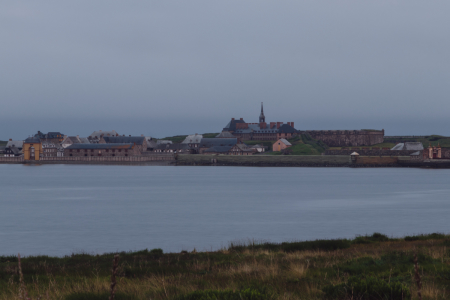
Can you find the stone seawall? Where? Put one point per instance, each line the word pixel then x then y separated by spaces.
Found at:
pixel 166 157
pixel 371 152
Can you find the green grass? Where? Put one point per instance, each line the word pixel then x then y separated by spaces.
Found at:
pixel 367 267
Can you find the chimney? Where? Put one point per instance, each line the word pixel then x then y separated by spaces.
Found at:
pixel 242 119
pixel 108 134
pixel 10 140
pixel 130 135
pixel 142 135
pixel 278 124
pixel 292 124
pixel 196 134
pixel 232 119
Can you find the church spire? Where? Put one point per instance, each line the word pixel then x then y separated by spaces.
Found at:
pixel 262 118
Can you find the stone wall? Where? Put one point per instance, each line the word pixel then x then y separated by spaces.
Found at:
pixel 371 152
pixel 345 138
pixel 94 159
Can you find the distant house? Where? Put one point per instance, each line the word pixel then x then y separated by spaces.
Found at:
pixel 102 150
pixel 151 143
pixel 139 141
pixel 281 144
pixel 17 144
pixel 94 137
pixel 49 149
pixel 12 151
pixel 207 143
pixel 193 141
pixel 241 149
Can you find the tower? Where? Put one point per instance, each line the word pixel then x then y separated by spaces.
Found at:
pixel 262 118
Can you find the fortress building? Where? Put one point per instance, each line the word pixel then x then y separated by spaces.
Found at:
pixel 274 131
pixel 260 131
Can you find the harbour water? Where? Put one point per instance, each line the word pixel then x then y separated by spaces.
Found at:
pixel 64 209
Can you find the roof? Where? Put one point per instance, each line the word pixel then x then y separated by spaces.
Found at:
pixel 257 146
pixel 49 135
pixel 218 149
pixel 105 133
pixel 138 140
pixel 415 153
pixel 284 141
pixel 32 140
pixel 225 134
pixel 408 146
pixel 212 142
pixel 285 128
pixel 231 126
pixel 18 144
pixel 193 138
pixel 355 153
pixel 101 146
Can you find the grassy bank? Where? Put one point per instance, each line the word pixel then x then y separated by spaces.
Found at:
pixel 369 267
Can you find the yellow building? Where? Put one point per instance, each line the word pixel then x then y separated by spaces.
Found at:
pixel 32 148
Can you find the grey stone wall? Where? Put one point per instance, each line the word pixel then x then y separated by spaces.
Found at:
pixel 371 152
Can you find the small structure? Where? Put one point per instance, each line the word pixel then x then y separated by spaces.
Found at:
pixel 416 156
pixel 32 148
pixel 259 148
pixel 193 141
pixel 433 152
pixel 354 157
pixel 281 144
pixel 173 148
pixel 139 141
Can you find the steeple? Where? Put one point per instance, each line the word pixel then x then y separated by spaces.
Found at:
pixel 262 118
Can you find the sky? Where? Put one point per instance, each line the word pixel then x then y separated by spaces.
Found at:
pixel 164 68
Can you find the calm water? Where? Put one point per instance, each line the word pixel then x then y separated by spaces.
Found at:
pixel 61 209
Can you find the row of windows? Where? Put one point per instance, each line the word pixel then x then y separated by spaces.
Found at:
pixel 107 150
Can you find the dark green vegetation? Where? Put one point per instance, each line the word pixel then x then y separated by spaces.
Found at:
pixel 366 267
pixel 434 140
pixel 3 143
pixel 303 145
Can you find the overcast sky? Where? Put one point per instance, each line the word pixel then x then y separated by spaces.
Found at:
pixel 178 67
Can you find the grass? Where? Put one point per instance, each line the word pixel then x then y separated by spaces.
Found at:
pixel 366 267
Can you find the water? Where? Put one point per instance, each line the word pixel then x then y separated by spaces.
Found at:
pixel 61 209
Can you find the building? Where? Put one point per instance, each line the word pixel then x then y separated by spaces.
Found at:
pixel 281 144
pixel 102 150
pixel 32 148
pixel 17 144
pixel 139 141
pixel 193 141
pixel 54 137
pixel 260 131
pixel 347 138
pixel 207 143
pixel 49 149
pixel 259 148
pixel 12 151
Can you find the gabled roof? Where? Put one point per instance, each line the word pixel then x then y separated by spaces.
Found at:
pixel 408 146
pixel 231 126
pixel 101 146
pixel 32 140
pixel 18 144
pixel 138 140
pixel 225 134
pixel 284 141
pixel 192 139
pixel 285 128
pixel 212 142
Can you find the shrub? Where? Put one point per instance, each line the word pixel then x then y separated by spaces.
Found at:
pixel 423 237
pixel 370 288
pixel 98 296
pixel 158 251
pixel 326 245
pixel 246 294
pixel 375 237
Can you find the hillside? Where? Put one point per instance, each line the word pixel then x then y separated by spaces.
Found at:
pixel 366 267
pixel 303 145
